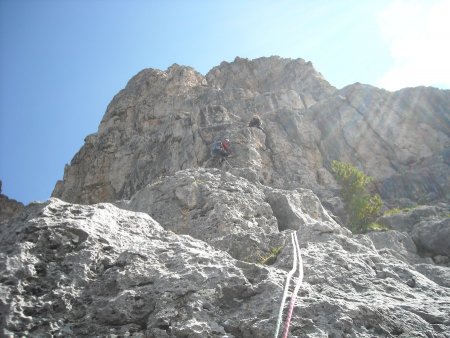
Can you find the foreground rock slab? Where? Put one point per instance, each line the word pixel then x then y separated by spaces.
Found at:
pixel 83 271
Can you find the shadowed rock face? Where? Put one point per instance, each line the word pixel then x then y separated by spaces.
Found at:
pixel 191 247
pixel 8 207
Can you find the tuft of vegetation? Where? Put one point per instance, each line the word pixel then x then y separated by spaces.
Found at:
pixel 377 227
pixel 271 256
pixel 395 211
pixel 362 208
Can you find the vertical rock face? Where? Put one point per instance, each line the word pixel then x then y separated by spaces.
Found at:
pixel 401 138
pixel 195 247
pixel 138 139
pixel 165 121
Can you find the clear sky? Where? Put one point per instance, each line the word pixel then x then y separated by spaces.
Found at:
pixel 62 61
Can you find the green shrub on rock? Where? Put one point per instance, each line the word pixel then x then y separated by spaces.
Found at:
pixel 361 207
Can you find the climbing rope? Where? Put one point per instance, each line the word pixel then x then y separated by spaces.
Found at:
pixel 286 286
pixel 294 294
pixel 228 163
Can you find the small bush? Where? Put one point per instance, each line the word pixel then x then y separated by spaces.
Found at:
pixel 395 211
pixel 362 208
pixel 377 227
pixel 271 256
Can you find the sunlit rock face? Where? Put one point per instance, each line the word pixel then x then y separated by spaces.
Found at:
pixel 401 138
pixel 99 270
pixel 148 236
pixel 164 121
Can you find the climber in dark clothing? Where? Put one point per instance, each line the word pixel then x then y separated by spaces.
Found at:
pixel 221 149
pixel 255 122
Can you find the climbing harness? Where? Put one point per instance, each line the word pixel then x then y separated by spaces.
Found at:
pixel 286 286
pixel 297 260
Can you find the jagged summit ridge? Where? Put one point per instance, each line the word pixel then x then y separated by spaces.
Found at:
pixel 270 75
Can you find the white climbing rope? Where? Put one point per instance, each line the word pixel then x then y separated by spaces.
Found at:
pixel 286 286
pixel 294 294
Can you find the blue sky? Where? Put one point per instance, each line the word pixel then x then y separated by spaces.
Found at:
pixel 62 61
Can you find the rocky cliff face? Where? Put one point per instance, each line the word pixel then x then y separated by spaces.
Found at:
pixel 191 247
pixel 163 122
pixel 166 121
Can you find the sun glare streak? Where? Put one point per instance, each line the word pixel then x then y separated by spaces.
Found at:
pixel 418 36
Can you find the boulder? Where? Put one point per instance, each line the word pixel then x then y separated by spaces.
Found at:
pixel 428 226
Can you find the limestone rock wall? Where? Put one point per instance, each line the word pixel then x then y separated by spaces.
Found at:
pixel 191 247
pixel 400 138
pixel 97 270
pixel 165 121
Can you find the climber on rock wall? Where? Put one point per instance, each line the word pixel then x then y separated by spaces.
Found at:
pixel 221 149
pixel 255 122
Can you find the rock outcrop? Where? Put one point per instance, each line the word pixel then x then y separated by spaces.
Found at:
pixel 165 121
pixel 97 270
pixel 148 236
pixel 428 226
pixel 401 138
pixel 8 206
